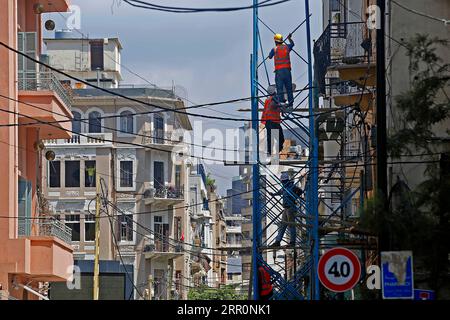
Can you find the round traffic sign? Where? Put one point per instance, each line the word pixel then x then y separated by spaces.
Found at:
pixel 339 269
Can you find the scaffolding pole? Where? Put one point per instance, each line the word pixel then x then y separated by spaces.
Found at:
pixel 255 126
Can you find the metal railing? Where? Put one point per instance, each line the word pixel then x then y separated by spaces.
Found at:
pixel 50 227
pixel 340 43
pixel 44 80
pixel 159 137
pixel 169 192
pixel 162 245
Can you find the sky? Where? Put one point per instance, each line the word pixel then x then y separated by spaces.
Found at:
pixel 207 54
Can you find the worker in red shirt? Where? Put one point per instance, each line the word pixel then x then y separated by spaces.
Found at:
pixel 265 283
pixel 283 76
pixel 271 118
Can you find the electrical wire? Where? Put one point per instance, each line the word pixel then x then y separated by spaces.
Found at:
pixel 152 6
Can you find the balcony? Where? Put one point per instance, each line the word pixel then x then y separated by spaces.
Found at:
pixel 45 228
pixel 350 92
pixel 87 139
pixel 163 249
pixel 41 252
pixel 164 195
pixel 50 100
pixel 161 138
pixel 346 48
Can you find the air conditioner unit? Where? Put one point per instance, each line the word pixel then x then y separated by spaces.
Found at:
pixel 149 193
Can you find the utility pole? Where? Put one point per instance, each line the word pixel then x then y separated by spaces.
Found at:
pixel 381 120
pixel 97 239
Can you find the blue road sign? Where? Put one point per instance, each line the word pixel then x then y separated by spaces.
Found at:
pixel 420 294
pixel 397 275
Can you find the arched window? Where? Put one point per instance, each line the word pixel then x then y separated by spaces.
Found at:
pixel 76 122
pixel 126 122
pixel 95 122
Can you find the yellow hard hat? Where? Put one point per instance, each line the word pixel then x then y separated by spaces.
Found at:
pixel 278 38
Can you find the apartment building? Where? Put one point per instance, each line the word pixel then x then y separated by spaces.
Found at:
pixel 234 249
pixel 95 60
pixel 129 146
pixel 219 235
pixel 346 75
pixel 201 228
pixel 34 246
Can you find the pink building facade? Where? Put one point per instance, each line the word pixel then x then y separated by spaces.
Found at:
pixel 34 246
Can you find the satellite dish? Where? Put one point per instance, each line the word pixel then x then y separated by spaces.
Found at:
pixel 50 25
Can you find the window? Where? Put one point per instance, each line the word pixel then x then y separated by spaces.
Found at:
pixel 158 175
pixel 230 276
pixel 72 174
pixel 54 169
pixel 126 122
pixel 126 174
pixel 159 128
pixel 126 227
pixel 89 227
pixel 95 122
pixel 73 222
pixel 24 207
pixel 89 174
pixel 161 234
pixel 97 55
pixel 76 122
pixel 178 177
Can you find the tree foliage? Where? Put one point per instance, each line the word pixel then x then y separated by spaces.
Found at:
pixel 207 293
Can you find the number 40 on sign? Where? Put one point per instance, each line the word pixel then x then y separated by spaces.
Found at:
pixel 339 269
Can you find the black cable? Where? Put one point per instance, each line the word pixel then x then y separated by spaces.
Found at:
pixel 152 6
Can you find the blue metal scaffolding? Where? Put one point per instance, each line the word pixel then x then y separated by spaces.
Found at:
pixel 304 283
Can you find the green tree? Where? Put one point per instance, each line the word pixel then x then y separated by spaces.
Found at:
pixel 207 293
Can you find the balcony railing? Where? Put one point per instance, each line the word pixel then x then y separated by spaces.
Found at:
pixel 44 227
pixel 85 139
pixel 163 245
pixel 340 43
pixel 165 193
pixel 44 81
pixel 159 137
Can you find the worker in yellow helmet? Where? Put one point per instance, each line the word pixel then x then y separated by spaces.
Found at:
pixel 283 77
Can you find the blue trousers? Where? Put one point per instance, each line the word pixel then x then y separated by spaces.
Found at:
pixel 288 216
pixel 283 81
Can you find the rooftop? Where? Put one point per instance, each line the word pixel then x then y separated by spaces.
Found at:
pixel 129 92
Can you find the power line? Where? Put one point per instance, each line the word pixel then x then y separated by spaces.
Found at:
pixel 422 14
pixel 152 6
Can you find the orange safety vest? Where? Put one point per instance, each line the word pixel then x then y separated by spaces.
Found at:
pixel 281 57
pixel 266 285
pixel 271 111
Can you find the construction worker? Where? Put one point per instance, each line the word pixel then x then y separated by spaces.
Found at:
pixel 289 191
pixel 265 283
pixel 271 118
pixel 91 175
pixel 283 77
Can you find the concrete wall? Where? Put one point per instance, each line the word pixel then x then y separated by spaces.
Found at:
pixel 403 25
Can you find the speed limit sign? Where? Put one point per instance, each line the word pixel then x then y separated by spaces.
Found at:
pixel 339 269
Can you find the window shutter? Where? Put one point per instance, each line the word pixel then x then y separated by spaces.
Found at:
pixel 27 69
